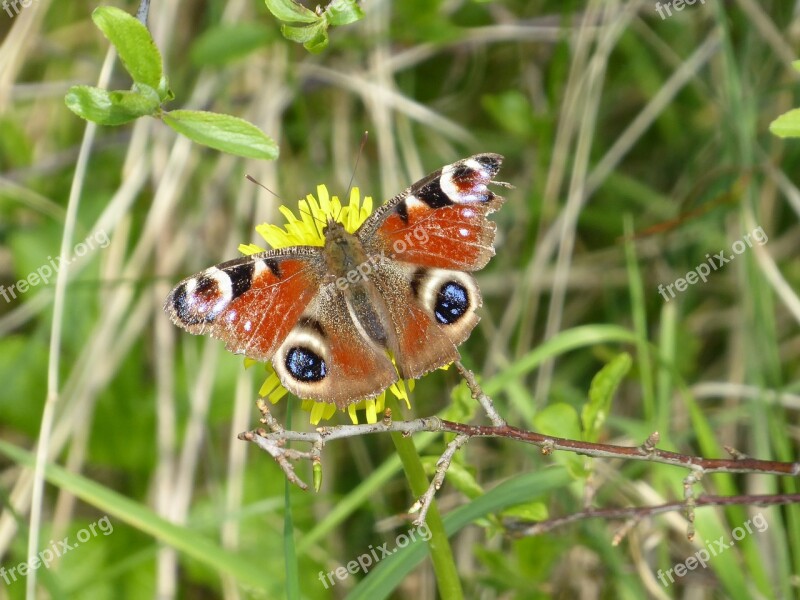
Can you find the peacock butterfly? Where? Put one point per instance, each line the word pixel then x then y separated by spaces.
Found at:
pixel 328 317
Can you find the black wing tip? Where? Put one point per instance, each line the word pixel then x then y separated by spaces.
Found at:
pixel 489 160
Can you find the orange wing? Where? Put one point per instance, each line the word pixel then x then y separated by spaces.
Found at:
pixel 440 221
pixel 251 303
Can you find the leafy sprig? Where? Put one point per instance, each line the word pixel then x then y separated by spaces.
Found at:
pixel 150 91
pixel 309 27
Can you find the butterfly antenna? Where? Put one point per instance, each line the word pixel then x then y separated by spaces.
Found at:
pixel 355 166
pixel 252 179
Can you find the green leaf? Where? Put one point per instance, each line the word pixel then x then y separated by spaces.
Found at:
pixel 135 46
pixel 390 572
pixel 226 43
pixel 112 108
pixel 559 420
pixel 319 42
pixel 796 65
pixel 313 37
pixel 301 34
pixel 458 475
pixel 343 12
pixel 462 407
pixel 530 511
pixel 787 125
pixel 601 392
pixel 317 471
pixel 290 11
pixel 222 132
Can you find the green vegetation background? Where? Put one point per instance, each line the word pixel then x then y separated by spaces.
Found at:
pixel 612 120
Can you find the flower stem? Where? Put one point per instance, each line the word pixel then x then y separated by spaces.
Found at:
pixel 447 579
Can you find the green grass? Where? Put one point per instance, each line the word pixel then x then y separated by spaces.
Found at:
pixel 637 145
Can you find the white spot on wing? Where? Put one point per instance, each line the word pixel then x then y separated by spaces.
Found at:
pixel 412 201
pixel 259 267
pixel 224 289
pixel 477 166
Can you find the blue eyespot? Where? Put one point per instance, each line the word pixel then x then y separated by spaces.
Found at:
pixel 452 303
pixel 305 365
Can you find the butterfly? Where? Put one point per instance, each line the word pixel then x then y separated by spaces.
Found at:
pixel 331 318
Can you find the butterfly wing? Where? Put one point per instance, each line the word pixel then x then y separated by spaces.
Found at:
pixel 276 306
pixel 431 236
pixel 325 357
pixel 281 306
pixel 440 221
pixel 251 303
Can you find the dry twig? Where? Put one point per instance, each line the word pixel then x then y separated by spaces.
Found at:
pixel 274 443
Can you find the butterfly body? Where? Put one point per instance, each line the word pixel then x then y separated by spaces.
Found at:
pixel 330 317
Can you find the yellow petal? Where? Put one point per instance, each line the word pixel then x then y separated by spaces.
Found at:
pixel 248 249
pixel 317 413
pixel 372 415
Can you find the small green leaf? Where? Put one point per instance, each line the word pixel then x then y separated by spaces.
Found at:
pixel 787 125
pixel 319 41
pixel 317 474
pixel 313 37
pixel 112 108
pixel 530 511
pixel 343 12
pixel 164 92
pixel 222 132
pixel 134 44
pixel 462 407
pixel 463 480
pixel 559 420
pixel 301 34
pixel 291 11
pixel 796 65
pixel 601 392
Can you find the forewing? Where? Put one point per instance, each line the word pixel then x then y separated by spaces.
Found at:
pixel 440 221
pixel 252 302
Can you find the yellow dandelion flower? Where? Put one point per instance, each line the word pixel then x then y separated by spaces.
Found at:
pixel 315 211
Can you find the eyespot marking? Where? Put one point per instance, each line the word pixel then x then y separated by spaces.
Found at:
pixel 202 298
pixel 452 303
pixel 305 365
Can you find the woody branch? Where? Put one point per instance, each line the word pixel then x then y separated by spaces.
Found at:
pixel 274 443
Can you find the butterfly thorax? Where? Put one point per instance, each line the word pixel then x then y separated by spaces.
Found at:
pixel 343 251
pixel 349 268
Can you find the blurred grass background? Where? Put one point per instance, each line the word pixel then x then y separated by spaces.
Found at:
pixel 612 119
